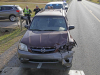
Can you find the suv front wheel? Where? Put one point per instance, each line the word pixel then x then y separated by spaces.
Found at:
pixel 12 18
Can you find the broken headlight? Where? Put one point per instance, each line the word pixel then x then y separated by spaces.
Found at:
pixel 63 48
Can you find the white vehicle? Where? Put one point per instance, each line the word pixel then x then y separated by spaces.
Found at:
pixel 66 5
pixel 57 5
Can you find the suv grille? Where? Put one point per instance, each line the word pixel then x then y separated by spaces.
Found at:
pixel 43 50
pixel 42 60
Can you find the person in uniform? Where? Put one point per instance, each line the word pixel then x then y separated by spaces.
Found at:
pixel 27 12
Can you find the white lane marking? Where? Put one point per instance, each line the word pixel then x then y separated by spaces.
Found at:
pixel 82 73
pixel 39 66
pixel 91 12
pixel 76 72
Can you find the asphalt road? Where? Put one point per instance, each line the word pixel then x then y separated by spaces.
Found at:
pixel 7 23
pixel 86 18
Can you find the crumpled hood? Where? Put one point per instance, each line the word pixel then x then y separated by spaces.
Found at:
pixel 45 38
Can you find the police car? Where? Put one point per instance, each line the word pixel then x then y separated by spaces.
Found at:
pixel 57 5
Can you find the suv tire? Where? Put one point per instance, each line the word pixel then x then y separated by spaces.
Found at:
pixel 12 18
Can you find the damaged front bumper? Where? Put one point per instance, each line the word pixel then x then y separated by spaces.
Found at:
pixel 65 58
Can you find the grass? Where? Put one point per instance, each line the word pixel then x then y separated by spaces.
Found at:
pixel 26 1
pixel 95 1
pixel 8 39
pixel 23 5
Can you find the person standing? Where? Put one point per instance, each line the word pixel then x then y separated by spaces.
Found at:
pixel 49 7
pixel 36 10
pixel 27 12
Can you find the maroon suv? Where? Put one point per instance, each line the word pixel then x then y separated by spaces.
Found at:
pixel 47 40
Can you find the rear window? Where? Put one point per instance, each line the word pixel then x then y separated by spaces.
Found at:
pixel 18 8
pixel 49 23
pixel 55 6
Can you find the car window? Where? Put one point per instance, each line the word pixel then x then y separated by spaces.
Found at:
pixel 55 6
pixel 0 9
pixel 7 8
pixel 46 23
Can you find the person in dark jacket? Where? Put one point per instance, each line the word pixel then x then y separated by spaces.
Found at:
pixel 27 12
pixel 36 10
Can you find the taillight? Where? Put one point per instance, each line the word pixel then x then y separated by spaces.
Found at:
pixel 17 10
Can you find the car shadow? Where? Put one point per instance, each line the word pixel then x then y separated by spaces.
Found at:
pixel 43 72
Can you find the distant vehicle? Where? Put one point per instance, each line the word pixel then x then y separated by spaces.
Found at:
pixel 47 40
pixel 10 12
pixel 66 5
pixel 57 5
pixel 79 0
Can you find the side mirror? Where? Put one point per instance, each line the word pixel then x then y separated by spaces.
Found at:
pixel 66 8
pixel 26 26
pixel 71 27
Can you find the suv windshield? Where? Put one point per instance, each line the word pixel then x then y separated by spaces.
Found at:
pixel 48 23
pixel 55 6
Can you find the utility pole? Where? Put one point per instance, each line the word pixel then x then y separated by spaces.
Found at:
pixel 20 22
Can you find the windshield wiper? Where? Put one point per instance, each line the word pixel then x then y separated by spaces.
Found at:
pixel 41 30
pixel 49 30
pixel 36 30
